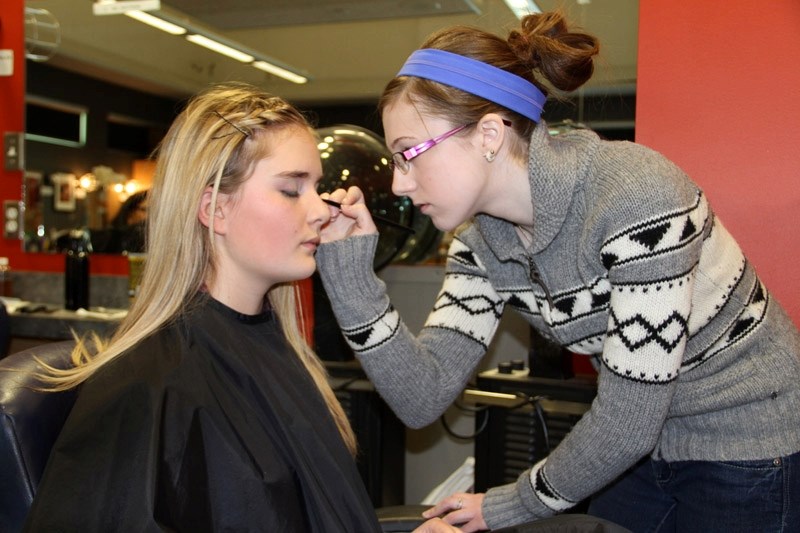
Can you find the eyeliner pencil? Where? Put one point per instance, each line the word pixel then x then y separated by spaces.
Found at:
pixel 376 218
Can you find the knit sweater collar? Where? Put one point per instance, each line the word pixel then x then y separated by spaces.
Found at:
pixel 555 167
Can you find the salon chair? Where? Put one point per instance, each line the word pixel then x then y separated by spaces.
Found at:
pixel 30 423
pixel 5 331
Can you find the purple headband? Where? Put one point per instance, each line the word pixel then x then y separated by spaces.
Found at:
pixel 478 78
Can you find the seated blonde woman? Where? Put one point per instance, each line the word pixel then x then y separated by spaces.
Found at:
pixel 207 410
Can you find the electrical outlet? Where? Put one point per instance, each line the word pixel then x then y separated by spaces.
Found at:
pixel 14 150
pixel 11 215
pixel 6 61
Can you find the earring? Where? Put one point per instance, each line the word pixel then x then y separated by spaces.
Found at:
pixel 489 156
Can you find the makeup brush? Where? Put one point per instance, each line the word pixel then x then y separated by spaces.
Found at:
pixel 376 218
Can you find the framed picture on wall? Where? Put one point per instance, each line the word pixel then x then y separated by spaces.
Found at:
pixel 63 192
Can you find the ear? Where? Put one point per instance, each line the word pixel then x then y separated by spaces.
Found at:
pixel 492 132
pixel 204 210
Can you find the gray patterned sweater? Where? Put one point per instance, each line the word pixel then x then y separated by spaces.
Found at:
pixel 627 263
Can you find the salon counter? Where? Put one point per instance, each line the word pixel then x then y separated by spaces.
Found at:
pixel 35 324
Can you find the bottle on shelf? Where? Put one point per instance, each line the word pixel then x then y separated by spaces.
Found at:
pixel 5 278
pixel 135 268
pixel 76 271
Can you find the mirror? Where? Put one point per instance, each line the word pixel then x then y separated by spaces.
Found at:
pixel 87 144
pixel 106 203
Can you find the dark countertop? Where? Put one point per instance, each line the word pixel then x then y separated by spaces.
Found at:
pixel 58 324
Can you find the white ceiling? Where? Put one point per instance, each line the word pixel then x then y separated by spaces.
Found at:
pixel 351 48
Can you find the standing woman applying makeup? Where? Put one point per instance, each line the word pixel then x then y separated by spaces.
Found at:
pixel 604 247
pixel 206 411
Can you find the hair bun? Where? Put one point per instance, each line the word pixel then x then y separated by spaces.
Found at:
pixel 548 45
pixel 525 48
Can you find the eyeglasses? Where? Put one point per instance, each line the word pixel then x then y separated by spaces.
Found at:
pixel 401 159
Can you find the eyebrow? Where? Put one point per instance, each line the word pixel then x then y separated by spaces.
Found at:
pixel 293 174
pixel 300 175
pixel 406 139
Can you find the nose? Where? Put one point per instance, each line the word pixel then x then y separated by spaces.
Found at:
pixel 402 184
pixel 318 212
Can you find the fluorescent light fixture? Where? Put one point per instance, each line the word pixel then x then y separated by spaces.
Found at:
pixel 520 8
pixel 150 12
pixel 156 22
pixel 220 48
pixel 279 71
pixel 114 7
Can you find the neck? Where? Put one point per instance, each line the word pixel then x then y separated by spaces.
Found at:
pixel 525 234
pixel 238 298
pixel 510 195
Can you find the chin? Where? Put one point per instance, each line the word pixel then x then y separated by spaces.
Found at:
pixel 445 225
pixel 297 272
pixel 308 270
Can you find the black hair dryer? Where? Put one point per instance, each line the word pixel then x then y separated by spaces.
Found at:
pixel 76 272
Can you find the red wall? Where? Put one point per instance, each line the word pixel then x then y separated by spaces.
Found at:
pixel 12 98
pixel 12 118
pixel 718 92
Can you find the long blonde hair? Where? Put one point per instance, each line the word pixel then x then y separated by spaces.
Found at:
pixel 216 141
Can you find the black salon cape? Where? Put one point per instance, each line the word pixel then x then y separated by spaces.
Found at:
pixel 211 424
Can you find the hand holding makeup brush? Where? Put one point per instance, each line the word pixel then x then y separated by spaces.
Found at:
pixel 349 215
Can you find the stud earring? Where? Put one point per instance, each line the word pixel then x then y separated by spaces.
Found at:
pixel 489 156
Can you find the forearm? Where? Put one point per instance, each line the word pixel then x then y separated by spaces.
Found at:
pixel 418 377
pixel 622 426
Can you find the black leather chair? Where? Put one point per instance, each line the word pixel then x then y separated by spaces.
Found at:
pixel 5 330
pixel 31 421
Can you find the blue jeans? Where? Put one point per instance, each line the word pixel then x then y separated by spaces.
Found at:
pixel 705 496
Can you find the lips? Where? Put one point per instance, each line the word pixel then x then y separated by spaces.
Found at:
pixel 312 243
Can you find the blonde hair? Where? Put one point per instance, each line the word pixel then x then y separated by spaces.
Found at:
pixel 216 142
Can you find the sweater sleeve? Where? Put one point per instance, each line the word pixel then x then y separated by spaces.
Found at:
pixel 419 377
pixel 651 265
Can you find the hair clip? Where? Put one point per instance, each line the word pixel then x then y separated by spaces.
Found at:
pixel 240 130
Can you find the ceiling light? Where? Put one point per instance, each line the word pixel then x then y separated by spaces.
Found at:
pixel 520 8
pixel 114 7
pixel 156 22
pixel 279 71
pixel 220 48
pixel 175 23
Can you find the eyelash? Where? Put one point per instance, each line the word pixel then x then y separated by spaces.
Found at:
pixel 298 189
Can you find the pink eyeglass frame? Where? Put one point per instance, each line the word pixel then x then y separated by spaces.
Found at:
pixel 410 153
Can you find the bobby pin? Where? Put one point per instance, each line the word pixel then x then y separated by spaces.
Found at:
pixel 240 130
